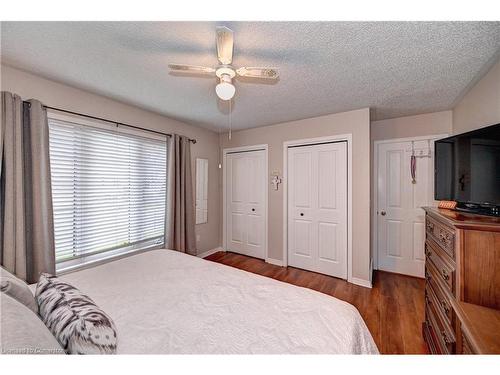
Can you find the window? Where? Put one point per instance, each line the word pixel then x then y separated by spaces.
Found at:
pixel 108 189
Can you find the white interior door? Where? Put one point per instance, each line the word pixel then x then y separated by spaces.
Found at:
pixel 400 218
pixel 317 208
pixel 246 219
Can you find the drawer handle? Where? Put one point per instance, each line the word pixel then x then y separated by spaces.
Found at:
pixel 445 338
pixel 442 236
pixel 430 226
pixel 428 252
pixel 427 276
pixel 445 274
pixel 445 238
pixel 445 307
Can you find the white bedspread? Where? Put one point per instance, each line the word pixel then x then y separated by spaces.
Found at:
pixel 164 301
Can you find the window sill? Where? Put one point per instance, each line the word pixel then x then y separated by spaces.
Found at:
pixel 63 270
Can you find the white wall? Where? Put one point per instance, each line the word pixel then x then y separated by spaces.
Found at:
pixel 412 126
pixel 481 105
pixel 55 94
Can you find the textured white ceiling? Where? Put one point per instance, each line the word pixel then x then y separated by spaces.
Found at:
pixel 396 68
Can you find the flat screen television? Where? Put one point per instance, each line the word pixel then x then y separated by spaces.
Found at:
pixel 467 170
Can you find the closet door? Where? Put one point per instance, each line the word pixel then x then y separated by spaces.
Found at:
pixel 245 203
pixel 317 208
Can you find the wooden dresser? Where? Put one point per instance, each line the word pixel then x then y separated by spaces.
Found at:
pixel 462 287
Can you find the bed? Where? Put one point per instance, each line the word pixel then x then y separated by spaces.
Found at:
pixel 165 302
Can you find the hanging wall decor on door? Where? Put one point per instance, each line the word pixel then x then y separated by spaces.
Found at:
pixel 413 160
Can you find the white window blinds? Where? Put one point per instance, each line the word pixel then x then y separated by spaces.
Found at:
pixel 108 190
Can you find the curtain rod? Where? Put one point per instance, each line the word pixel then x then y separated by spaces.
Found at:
pixel 113 122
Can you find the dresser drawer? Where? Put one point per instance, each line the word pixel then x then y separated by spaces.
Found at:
pixel 443 334
pixel 441 270
pixel 466 346
pixel 441 307
pixel 433 290
pixel 442 235
pixel 437 345
pixel 430 336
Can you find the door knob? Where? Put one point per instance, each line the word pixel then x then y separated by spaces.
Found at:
pixel 382 213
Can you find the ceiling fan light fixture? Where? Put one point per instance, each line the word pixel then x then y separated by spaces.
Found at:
pixel 225 90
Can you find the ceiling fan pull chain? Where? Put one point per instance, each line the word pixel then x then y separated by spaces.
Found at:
pixel 230 118
pixel 219 131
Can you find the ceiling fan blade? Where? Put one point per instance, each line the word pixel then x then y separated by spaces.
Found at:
pixel 224 45
pixel 254 72
pixel 190 68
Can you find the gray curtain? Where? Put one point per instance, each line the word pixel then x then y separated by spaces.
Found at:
pixel 26 221
pixel 179 216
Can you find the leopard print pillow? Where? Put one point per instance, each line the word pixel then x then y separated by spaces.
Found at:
pixel 74 319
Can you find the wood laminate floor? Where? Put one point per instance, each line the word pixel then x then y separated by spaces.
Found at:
pixel 393 309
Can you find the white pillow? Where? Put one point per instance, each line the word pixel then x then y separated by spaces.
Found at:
pixel 22 330
pixel 17 289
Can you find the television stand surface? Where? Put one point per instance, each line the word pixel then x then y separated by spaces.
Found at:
pixel 478 209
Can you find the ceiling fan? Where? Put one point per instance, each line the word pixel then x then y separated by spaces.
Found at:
pixel 225 71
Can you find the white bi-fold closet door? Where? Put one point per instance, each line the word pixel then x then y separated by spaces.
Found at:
pixel 400 198
pixel 246 216
pixel 317 208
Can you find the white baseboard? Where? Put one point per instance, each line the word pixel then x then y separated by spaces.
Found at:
pixel 276 262
pixel 361 282
pixel 210 252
